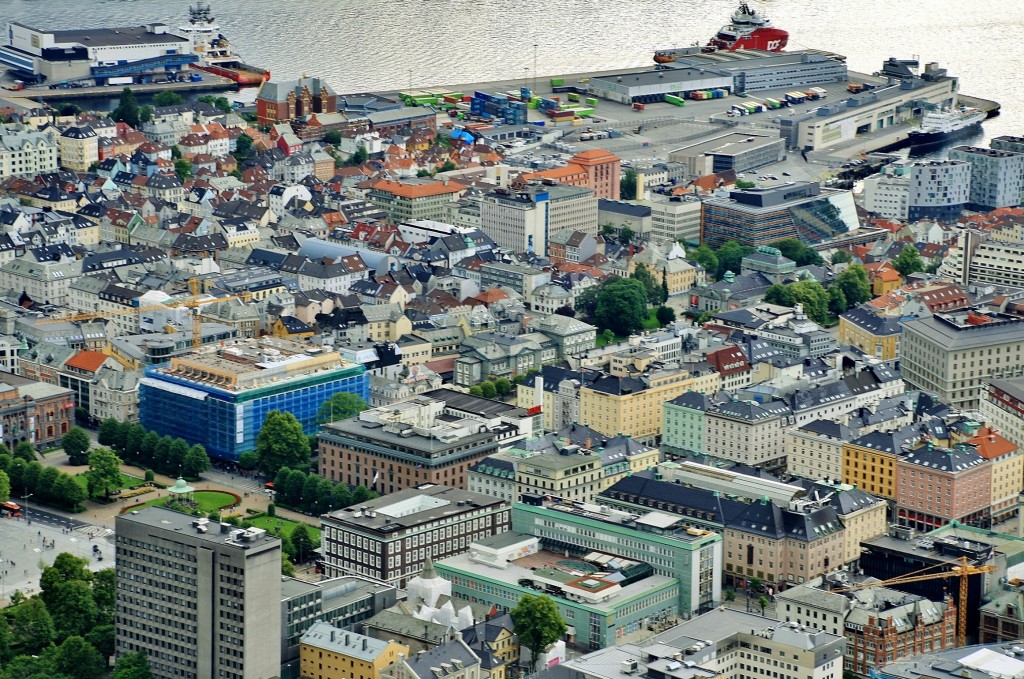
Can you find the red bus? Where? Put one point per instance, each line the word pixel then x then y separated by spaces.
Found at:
pixel 10 508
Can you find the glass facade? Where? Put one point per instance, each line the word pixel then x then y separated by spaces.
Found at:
pixel 226 423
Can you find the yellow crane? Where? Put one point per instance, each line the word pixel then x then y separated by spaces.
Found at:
pixel 194 288
pixel 962 570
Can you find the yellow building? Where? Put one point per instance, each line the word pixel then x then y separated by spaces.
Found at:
pixel 289 327
pixel 869 462
pixel 632 406
pixel 327 652
pixel 875 335
pixel 1007 471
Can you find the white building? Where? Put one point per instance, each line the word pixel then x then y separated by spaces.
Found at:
pixel 520 220
pixel 26 153
pixel 997 177
pixel 936 189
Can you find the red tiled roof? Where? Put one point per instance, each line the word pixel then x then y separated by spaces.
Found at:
pixel 89 361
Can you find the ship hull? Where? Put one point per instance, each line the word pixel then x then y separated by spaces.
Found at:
pixel 916 138
pixel 243 74
pixel 767 39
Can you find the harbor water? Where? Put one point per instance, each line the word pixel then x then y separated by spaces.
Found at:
pixel 365 45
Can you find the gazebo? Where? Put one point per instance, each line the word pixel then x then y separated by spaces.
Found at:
pixel 181 491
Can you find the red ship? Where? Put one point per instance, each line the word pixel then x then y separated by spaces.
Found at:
pixel 747 31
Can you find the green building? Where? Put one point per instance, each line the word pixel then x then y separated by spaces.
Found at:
pixel 682 424
pixel 601 597
pixel 692 555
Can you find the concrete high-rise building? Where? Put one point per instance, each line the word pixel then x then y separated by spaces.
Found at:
pixel 997 177
pixel 201 599
pixel 936 189
pixel 521 219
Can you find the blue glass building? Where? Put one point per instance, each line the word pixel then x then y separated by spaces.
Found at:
pixel 220 400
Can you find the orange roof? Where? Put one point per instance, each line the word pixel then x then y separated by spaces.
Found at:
pixel 570 170
pixel 594 156
pixel 889 275
pixel 89 361
pixel 491 296
pixel 990 444
pixel 417 190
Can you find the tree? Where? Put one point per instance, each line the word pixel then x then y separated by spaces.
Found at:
pixel 359 157
pixel 794 249
pixel 537 624
pixel 176 452
pixel 33 626
pixel 26 451
pixel 361 494
pixel 168 98
pixel 729 595
pixel 780 294
pixel 66 568
pixel 6 640
pixel 111 433
pixel 607 230
pixel 302 543
pixel 488 390
pixel 841 257
pixel 248 460
pixel 175 152
pixel 706 257
pixel 626 235
pixel 104 472
pixel 813 298
pixel 221 103
pixel 243 146
pixel 127 110
pixel 101 638
pixel 340 406
pixel 183 169
pixel 908 261
pixel 745 184
pixel 196 461
pixel 566 311
pixel 628 185
pixel 342 496
pixel 621 306
pixel 281 443
pixel 73 608
pixel 763 603
pixel 5 487
pixel 447 166
pixel 132 666
pixel 287 567
pixel 586 302
pixel 503 386
pixel 837 301
pixel 664 286
pixel 72 495
pixel 665 315
pixel 145 114
pixel 333 137
pixel 104 593
pixel 310 493
pixel 642 274
pixel 475 390
pixel 291 491
pixel 730 255
pixel 854 284
pixel 423 172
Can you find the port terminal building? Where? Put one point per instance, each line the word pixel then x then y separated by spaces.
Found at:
pixel 37 55
pixel 219 398
pixel 739 71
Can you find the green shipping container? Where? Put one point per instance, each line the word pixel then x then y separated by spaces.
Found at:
pixel 557 82
pixel 591 101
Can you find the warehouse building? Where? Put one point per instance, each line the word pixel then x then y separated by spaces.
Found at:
pixel 739 71
pixel 737 151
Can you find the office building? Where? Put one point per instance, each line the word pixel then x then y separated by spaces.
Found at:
pixel 595 169
pixel 762 216
pixel 869 461
pixel 226 393
pixel 951 355
pixel 985 258
pixel 329 652
pixel 815 449
pixel 997 177
pixel 881 625
pixel 1002 405
pixel 521 219
pixel 912 191
pixel 736 151
pixel 414 199
pixel 200 599
pixel 432 438
pixel 748 432
pixel 391 537
pixel 675 218
pixel 665 541
pixel 601 595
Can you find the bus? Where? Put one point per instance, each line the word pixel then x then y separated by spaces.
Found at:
pixel 10 508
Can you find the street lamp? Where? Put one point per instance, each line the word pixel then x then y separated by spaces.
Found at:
pixel 534 69
pixel 27 495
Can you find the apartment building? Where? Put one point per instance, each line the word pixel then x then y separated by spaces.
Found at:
pixel 912 191
pixel 683 426
pixel 1007 467
pixel 1002 405
pixel 79 148
pixel 936 485
pixel 25 152
pixel 874 334
pixel 521 219
pixel 951 355
pixel 198 598
pixel 815 449
pixel 328 652
pixel 391 537
pixel 414 199
pixel 869 461
pixel 595 169
pixel 749 432
pixel 997 177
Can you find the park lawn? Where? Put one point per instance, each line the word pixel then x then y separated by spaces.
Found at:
pixel 126 481
pixel 652 320
pixel 208 501
pixel 601 341
pixel 270 524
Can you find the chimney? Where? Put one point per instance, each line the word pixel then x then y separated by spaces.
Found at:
pixel 364 643
pixel 332 635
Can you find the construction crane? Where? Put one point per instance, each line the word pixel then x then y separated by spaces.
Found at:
pixel 962 570
pixel 194 288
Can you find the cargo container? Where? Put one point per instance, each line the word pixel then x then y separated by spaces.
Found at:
pixel 772 103
pixel 821 92
pixel 855 88
pixel 557 82
pixel 812 96
pixel 572 96
pixel 739 109
pixel 674 100
pixel 637 106
pixel 123 80
pixel 590 101
pixel 796 97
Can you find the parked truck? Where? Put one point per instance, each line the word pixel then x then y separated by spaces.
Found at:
pixel 121 80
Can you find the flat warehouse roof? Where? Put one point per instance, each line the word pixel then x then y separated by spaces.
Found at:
pixel 98 37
